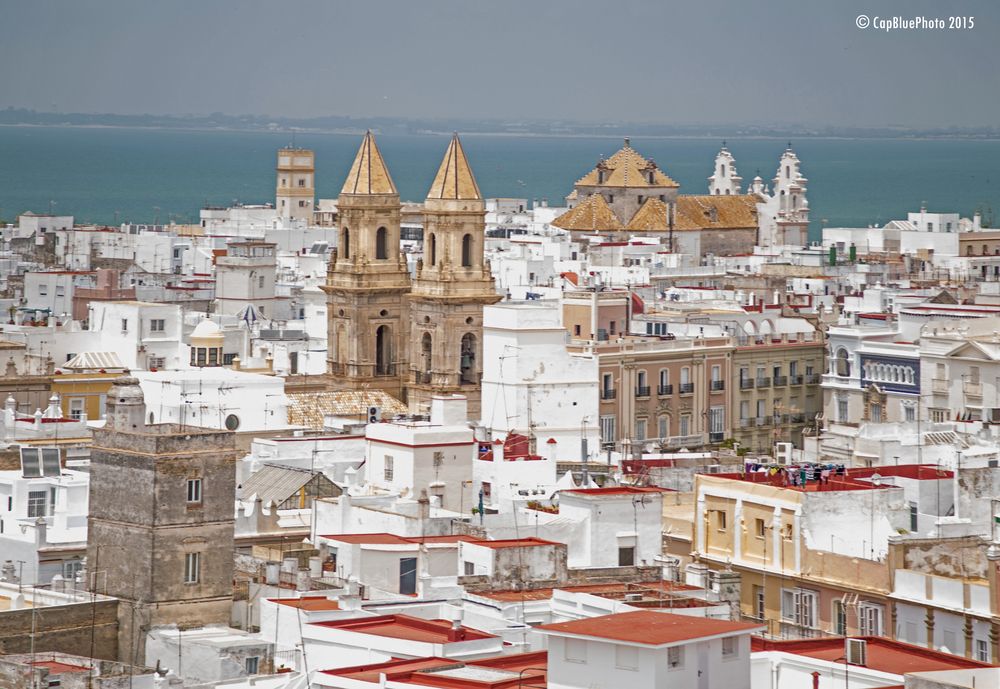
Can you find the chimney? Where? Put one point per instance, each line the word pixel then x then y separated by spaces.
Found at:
pixel 457 631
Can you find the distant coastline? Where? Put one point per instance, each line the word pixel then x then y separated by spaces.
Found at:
pixel 335 125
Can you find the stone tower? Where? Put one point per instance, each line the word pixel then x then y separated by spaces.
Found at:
pixel 160 529
pixel 367 281
pixel 295 191
pixel 789 189
pixel 452 284
pixel 724 181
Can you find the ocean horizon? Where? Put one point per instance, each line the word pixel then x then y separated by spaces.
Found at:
pixel 106 175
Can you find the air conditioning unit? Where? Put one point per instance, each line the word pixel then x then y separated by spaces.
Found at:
pixel 856 651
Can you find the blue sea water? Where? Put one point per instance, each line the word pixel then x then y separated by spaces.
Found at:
pixel 141 175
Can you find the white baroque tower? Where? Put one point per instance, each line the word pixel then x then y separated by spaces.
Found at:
pixel 724 181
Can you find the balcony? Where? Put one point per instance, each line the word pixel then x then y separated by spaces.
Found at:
pixel 746 423
pixel 939 386
pixel 780 380
pixel 687 388
pixel 812 379
pixel 385 369
pixel 642 391
pixel 718 385
pixel 746 383
pixel 973 390
pixel 716 437
pixel 607 394
pixel 665 390
pixel 797 380
pixel 763 382
pixel 763 421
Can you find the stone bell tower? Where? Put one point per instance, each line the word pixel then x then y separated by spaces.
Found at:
pixel 452 284
pixel 367 281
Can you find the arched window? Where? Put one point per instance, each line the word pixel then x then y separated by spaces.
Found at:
pixel 381 244
pixel 788 172
pixel 432 250
pixel 468 359
pixel 723 169
pixel 426 353
pixel 841 363
pixel 467 251
pixel 383 351
pixel 346 243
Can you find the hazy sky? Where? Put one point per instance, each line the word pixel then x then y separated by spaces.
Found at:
pixel 723 61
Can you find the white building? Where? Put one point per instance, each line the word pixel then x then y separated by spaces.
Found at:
pixel 43 516
pixel 648 649
pixel 531 383
pixel 435 456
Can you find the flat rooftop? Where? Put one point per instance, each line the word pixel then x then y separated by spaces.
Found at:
pixel 404 627
pixel 649 628
pixel 884 654
pixel 851 479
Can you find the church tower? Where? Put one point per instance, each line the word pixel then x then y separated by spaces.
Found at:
pixel 453 282
pixel 724 181
pixel 367 282
pixel 789 189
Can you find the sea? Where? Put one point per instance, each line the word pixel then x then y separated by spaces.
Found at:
pixel 113 175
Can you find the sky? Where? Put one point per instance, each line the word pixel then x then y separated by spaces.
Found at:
pixel 661 61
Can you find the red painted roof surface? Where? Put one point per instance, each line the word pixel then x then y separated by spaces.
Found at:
pixel 854 479
pixel 884 654
pixel 515 543
pixel 531 669
pixel 649 628
pixel 403 627
pixel 393 539
pixel 614 490
pixel 612 590
pixel 308 603
pixel 57 668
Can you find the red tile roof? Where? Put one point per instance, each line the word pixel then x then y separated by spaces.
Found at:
pixel 883 654
pixel 528 542
pixel 649 628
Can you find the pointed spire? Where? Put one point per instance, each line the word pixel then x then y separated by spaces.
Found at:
pixel 368 174
pixel 454 179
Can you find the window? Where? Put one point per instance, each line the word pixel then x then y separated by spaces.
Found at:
pixel 730 647
pixel 157 362
pixel 640 429
pixel 467 251
pixel 388 468
pixel 871 619
pixel 575 650
pixel 760 527
pixel 194 490
pixel 876 413
pixel 685 375
pixel 675 657
pixel 786 532
pixel 744 410
pixel 626 556
pixel 76 408
pixel 663 426
pixel 576 330
pixel 60 291
pixel 260 282
pixel 611 327
pixel 626 657
pixel 759 606
pixel 71 568
pixel 381 243
pixel 839 618
pixel 982 651
pixel 608 429
pixel 124 325
pixel 717 421
pixel 607 383
pixel 192 568
pixel 914 515
pixel 685 424
pixel 252 663
pixel 717 518
pixel 716 374
pixel 798 606
pixel 37 503
pixel 157 325
pixel 939 415
pixel 909 411
pixel 842 408
pixel 470 569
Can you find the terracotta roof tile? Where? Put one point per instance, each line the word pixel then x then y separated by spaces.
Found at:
pixel 308 408
pixel 592 215
pixel 649 628
pixel 627 168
